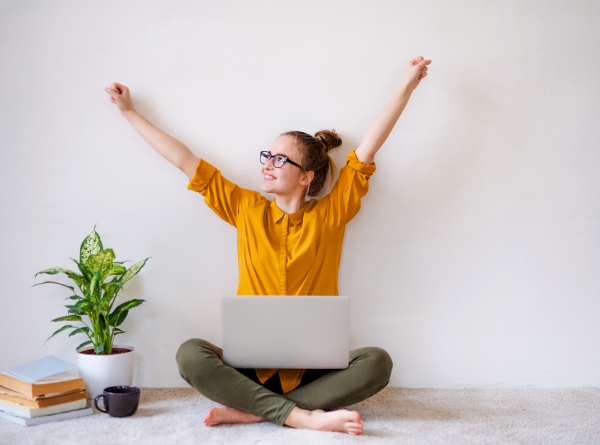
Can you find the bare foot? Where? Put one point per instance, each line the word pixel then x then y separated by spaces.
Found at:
pixel 341 420
pixel 225 414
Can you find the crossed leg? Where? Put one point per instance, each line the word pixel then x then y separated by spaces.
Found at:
pixel 245 401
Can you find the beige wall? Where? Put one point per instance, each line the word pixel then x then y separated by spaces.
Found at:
pixel 475 258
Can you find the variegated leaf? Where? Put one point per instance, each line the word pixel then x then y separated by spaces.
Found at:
pixel 100 260
pixel 90 246
pixel 70 287
pixel 84 271
pixel 133 270
pixel 79 279
pixel 91 290
pixel 114 270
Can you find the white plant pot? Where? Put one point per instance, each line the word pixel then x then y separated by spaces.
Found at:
pixel 101 371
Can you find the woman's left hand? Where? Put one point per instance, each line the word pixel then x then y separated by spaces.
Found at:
pixel 415 71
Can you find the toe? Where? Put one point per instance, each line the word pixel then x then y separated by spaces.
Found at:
pixel 208 419
pixel 355 426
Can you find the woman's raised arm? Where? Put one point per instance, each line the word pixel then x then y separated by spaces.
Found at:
pixel 381 128
pixel 167 146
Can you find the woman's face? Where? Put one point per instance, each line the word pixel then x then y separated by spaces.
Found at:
pixel 286 178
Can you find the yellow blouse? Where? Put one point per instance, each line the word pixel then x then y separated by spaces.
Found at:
pixel 286 254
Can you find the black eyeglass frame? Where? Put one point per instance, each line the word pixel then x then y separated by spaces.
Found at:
pixel 285 159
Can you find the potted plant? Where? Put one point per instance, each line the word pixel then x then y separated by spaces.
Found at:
pixel 100 362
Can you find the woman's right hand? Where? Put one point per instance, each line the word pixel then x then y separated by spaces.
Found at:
pixel 119 94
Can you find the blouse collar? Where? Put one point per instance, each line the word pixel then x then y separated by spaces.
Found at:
pixel 277 213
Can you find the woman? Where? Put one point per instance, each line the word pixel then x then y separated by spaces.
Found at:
pixel 288 246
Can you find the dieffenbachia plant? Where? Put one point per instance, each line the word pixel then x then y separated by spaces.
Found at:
pixel 96 265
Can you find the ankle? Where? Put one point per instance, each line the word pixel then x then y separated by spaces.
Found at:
pixel 299 418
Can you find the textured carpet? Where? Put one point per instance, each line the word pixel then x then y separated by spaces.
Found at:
pixel 395 415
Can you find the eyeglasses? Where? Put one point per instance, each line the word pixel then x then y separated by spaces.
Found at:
pixel 278 160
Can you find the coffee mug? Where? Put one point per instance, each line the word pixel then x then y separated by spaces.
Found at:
pixel 119 401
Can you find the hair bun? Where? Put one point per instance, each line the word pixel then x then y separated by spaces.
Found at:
pixel 329 138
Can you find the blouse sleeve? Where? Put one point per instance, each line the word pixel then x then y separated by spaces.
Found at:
pixel 227 199
pixel 353 183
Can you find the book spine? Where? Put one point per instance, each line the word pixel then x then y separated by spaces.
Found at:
pixel 30 421
pixel 23 411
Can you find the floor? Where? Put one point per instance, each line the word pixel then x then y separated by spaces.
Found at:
pixel 394 415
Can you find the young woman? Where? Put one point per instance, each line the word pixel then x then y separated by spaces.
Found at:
pixel 288 246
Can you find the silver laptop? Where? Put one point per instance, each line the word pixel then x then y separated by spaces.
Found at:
pixel 286 331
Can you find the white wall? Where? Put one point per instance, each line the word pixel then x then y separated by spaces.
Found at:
pixel 475 258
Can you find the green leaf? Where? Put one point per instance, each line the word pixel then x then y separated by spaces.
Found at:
pixel 81 307
pixel 133 270
pixel 59 330
pixel 113 270
pixel 90 246
pixel 117 331
pixel 83 344
pixel 101 260
pixel 104 302
pixel 70 287
pixel 68 318
pixel 113 286
pixel 110 289
pixel 129 304
pixel 84 305
pixel 84 270
pixel 120 313
pixel 75 297
pixel 79 279
pixel 99 348
pixel 115 319
pixel 83 329
pixel 91 291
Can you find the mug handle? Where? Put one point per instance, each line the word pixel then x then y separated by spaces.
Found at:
pixel 96 403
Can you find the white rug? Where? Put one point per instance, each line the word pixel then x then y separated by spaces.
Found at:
pixel 395 415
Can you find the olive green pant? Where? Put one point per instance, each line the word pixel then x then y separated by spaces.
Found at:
pixel 201 365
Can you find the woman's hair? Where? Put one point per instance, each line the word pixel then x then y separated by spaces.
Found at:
pixel 312 156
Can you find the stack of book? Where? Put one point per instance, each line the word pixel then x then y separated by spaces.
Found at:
pixel 42 391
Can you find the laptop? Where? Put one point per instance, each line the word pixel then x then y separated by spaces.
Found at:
pixel 286 331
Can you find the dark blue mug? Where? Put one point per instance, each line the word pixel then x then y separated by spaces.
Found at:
pixel 119 401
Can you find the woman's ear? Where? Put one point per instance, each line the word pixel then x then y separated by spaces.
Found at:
pixel 311 176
